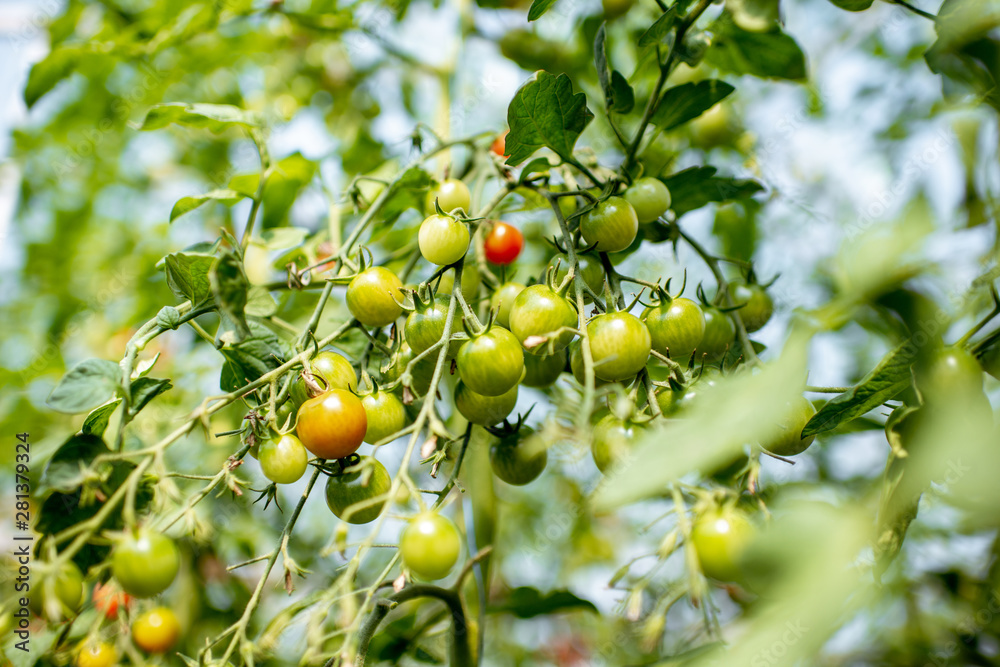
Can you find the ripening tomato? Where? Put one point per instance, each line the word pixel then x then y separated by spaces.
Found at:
pixel 484 410
pixel 471 280
pixel 541 370
pixel 612 225
pixel 537 311
pixel 503 300
pixel 720 537
pixel 58 597
pixel 649 197
pixel 619 344
pixel 785 439
pixel 450 194
pixel 518 457
pixel 499 145
pixel 590 269
pixel 675 327
pixel 756 305
pixel 374 295
pixel 284 459
pixel 611 442
pixel 350 495
pixel 429 545
pixel 386 415
pixel 443 240
pixel 330 371
pixel 720 332
pixel 156 631
pixel 96 654
pixel 491 363
pixel 108 599
pixel 332 425
pixel 503 243
pixel 145 564
pixel 425 326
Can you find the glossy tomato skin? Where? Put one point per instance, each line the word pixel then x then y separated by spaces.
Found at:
pixel 430 545
pixel 649 197
pixel 612 225
pixel 450 194
pixel 156 631
pixel 350 488
pixel 386 415
pixel 576 364
pixel 785 439
pixel 543 370
pixel 537 311
pixel 756 303
pixel 949 373
pixel 484 410
pixel 443 240
pixel 720 332
pixel 145 564
pixel 611 442
pixel 590 269
pixel 425 327
pixel 491 363
pixel 518 458
pixel 332 425
pixel 720 537
pixel 503 300
pixel 374 295
pixel 334 370
pixel 108 600
pixel 677 327
pixel 284 459
pixel 471 281
pixel 60 597
pixel 620 344
pixel 96 654
pixel 503 243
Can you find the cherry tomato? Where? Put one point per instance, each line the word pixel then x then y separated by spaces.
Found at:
pixel 673 401
pixel 332 425
pixel 720 332
pixel 335 371
pixel 611 442
pixel 145 564
pixel 451 194
pixel 649 197
pixel 429 545
pixel 619 344
pixel 373 297
pixel 677 327
pixel 538 310
pixel 58 597
pixel 283 460
pixel 577 366
pixel 491 363
pixel 612 225
pixel 108 600
pixel 590 269
pixel 720 537
pixel 422 372
pixel 503 243
pixel 443 240
pixel 785 439
pixel 518 458
pixel 503 300
pixel 542 370
pixel 386 415
pixel 499 145
pixel 156 631
pixel 471 280
pixel 990 360
pixel 715 127
pixel 757 306
pixel 615 8
pixel 425 326
pixel 96 654
pixel 484 410
pixel 365 480
pixel 949 373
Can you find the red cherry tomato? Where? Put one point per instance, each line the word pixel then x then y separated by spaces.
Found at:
pixel 503 244
pixel 499 145
pixel 109 598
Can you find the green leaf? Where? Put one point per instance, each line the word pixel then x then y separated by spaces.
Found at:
pixel 260 303
pixel 853 5
pixel 408 192
pixel 283 238
pixel 188 204
pixel 87 385
pixel 65 471
pixel 145 389
pixel 213 117
pixel 527 602
pixel 247 360
pixel 538 8
pixel 290 176
pixel 967 52
pixel 618 94
pixel 688 101
pixel 656 32
pixel 229 288
pixel 772 55
pixel 56 66
pixel 97 421
pixel 546 112
pixel 888 379
pixel 540 165
pixel 695 187
pixel 187 276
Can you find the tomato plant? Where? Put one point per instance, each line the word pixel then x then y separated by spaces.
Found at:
pixel 491 363
pixel 536 316
pixel 499 145
pixel 755 304
pixel 720 332
pixel 353 494
pixel 611 442
pixel 156 631
pixel 450 194
pixel 425 325
pixel 676 327
pixel 517 457
pixel 588 266
pixel 649 197
pixel 484 410
pixel 96 654
pixel 430 545
pixel 108 600
pixel 443 240
pixel 333 424
pixel 610 226
pixel 785 439
pixel 620 344
pixel 503 243
pixel 385 414
pixel 502 301
pixel 60 595
pixel 284 459
pixel 374 295
pixel 145 563
pixel 950 372
pixel 720 537
pixel 541 370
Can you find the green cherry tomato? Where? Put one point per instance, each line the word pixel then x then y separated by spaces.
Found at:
pixel 386 415
pixel 471 280
pixel 58 597
pixel 577 366
pixel 346 490
pixel 518 458
pixel 484 410
pixel 950 372
pixel 333 424
pixel 538 310
pixel 542 370
pixel 720 332
pixel 491 363
pixel 422 372
pixel 443 240
pixel 612 225
pixel 611 441
pixel 785 439
pixel 649 197
pixel 331 371
pixel 424 327
pixel 450 194
pixel 715 127
pixel 619 344
pixel 430 545
pixel 145 564
pixel 757 306
pixel 373 297
pixel 677 327
pixel 590 269
pixel 720 537
pixel 615 8
pixel 503 300
pixel 283 460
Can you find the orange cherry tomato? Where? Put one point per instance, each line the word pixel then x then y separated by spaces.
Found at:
pixel 332 425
